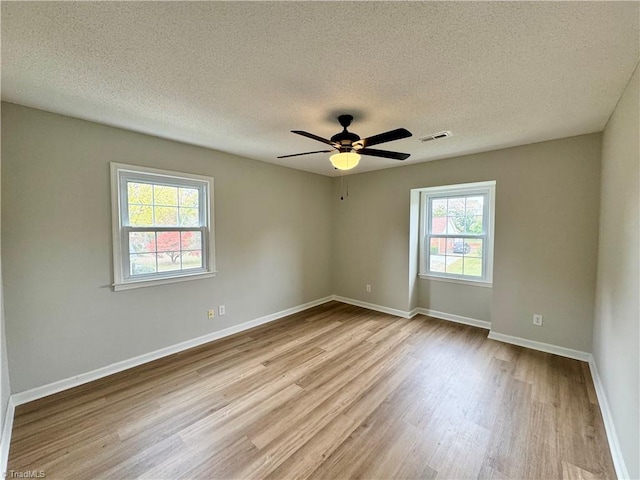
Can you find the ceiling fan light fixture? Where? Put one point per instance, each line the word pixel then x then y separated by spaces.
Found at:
pixel 345 160
pixel 350 146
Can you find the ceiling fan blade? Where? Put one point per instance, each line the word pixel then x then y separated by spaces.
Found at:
pixel 389 136
pixel 305 153
pixel 312 136
pixel 383 153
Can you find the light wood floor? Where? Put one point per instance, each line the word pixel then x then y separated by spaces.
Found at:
pixel 333 392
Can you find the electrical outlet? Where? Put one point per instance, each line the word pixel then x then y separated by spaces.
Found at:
pixel 369 288
pixel 537 319
pixel 211 313
pixel 221 310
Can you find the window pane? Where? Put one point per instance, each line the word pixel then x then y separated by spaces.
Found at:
pixel 169 251
pixel 142 263
pixel 472 266
pixel 168 241
pixel 191 260
pixel 439 207
pixel 454 265
pixel 439 225
pixel 164 195
pixel 473 224
pixel 189 217
pixel 454 226
pixel 140 216
pixel 140 193
pixel 458 246
pixel 166 216
pixel 192 250
pixel 189 197
pixel 191 240
pixel 455 206
pixel 456 215
pixel 437 263
pixel 437 246
pixel 475 205
pixel 142 242
pixel 169 261
pixel 475 247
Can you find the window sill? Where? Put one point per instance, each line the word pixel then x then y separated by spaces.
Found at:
pixel 160 281
pixel 473 283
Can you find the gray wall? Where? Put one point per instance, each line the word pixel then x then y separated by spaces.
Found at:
pixel 273 239
pixel 5 384
pixel 465 300
pixel 545 239
pixel 616 339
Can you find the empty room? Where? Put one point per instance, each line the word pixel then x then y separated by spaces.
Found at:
pixel 324 240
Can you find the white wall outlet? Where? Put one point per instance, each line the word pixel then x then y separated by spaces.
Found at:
pixel 368 288
pixel 211 313
pixel 221 310
pixel 537 319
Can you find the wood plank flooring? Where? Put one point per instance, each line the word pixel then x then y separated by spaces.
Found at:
pixel 333 392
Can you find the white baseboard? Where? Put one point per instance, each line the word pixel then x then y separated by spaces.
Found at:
pixel 540 346
pixel 5 441
pixel 416 311
pixel 60 385
pixel 373 306
pixel 452 317
pixel 609 427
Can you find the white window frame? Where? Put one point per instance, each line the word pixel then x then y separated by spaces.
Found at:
pixel 120 174
pixel 430 193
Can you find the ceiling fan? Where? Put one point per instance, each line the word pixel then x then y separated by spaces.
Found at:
pixel 350 146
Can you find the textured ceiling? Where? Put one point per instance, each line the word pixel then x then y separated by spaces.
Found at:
pixel 238 76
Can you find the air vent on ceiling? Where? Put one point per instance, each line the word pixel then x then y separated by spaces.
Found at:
pixel 435 136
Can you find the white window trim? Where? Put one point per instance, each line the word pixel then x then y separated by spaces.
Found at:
pixel 120 279
pixel 489 213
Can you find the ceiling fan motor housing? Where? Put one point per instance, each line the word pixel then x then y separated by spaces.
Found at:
pixel 344 140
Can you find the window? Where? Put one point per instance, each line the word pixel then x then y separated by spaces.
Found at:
pixel 162 226
pixel 457 232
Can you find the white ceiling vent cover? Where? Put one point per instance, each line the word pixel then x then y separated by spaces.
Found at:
pixel 435 136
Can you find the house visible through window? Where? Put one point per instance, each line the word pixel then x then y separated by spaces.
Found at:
pixel 162 226
pixel 457 232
